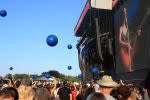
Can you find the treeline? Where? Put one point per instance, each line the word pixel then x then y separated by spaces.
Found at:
pixel 53 73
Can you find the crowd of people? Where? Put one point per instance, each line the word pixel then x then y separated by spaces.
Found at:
pixel 104 89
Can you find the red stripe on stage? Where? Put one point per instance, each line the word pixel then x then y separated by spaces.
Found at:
pixel 87 6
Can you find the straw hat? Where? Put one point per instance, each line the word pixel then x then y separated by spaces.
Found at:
pixel 107 81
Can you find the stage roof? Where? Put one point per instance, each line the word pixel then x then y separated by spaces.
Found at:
pixel 84 19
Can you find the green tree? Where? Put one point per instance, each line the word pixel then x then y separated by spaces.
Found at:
pixel 20 76
pixel 52 73
pixel 63 77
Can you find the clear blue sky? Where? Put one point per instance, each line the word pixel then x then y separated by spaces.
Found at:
pixel 24 30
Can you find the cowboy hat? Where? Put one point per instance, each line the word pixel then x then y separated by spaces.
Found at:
pixel 107 81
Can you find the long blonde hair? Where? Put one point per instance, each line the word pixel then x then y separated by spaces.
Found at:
pixel 26 92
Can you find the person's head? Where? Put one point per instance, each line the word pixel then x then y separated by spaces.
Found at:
pixel 83 90
pixel 126 93
pixel 25 90
pixel 42 94
pixel 39 84
pixel 26 82
pixel 91 83
pixel 73 87
pixel 133 90
pixel 51 86
pixel 9 93
pixel 97 96
pixel 124 11
pixel 123 17
pixel 65 83
pixel 107 84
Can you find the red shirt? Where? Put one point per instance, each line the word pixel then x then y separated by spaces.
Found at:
pixel 74 94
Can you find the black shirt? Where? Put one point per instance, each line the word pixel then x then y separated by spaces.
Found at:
pixel 64 93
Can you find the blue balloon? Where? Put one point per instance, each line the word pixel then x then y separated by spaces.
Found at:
pixel 47 75
pixel 80 76
pixel 3 13
pixel 11 68
pixel 69 67
pixel 69 46
pixel 33 76
pixel 95 69
pixel 52 40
